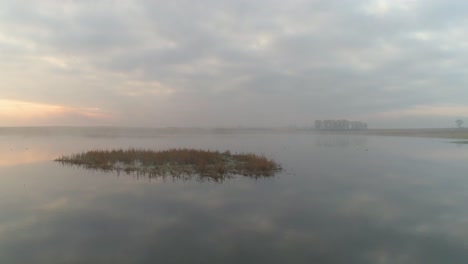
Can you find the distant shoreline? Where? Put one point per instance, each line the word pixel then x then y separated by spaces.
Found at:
pixel 447 133
pixel 110 131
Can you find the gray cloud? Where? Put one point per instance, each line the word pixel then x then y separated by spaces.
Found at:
pixel 237 62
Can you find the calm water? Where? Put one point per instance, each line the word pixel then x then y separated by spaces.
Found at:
pixel 340 199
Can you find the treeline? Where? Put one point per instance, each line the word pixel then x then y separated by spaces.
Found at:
pixel 339 125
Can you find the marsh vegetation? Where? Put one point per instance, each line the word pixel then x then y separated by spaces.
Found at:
pixel 175 162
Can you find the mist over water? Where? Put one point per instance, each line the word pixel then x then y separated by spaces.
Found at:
pixel 339 199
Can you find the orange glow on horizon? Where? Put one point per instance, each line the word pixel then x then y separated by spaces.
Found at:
pixel 15 112
pixel 425 110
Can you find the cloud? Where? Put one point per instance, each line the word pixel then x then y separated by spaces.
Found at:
pixel 384 7
pixel 147 61
pixel 448 111
pixel 15 112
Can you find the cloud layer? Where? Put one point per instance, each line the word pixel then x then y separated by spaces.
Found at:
pixel 236 63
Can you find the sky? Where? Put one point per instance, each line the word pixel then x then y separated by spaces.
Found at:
pixel 233 63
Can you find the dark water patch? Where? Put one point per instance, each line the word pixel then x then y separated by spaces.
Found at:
pixel 460 142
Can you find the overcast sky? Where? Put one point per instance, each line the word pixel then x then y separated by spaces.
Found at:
pixel 220 63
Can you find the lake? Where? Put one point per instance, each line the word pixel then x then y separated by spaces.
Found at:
pixel 339 199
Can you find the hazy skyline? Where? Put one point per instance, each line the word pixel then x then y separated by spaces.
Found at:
pixel 390 63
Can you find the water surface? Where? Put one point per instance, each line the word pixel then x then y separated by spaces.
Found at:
pixel 340 199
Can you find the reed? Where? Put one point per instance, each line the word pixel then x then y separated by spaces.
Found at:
pixel 175 162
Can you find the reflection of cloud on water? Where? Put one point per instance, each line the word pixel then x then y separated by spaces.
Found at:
pixel 426 213
pixel 423 149
pixel 443 155
pixel 11 157
pixel 367 208
pixel 188 232
pixel 340 141
pixel 192 222
pixel 58 204
pixel 373 205
pixel 15 226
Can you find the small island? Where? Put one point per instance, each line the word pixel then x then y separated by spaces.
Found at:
pixel 206 164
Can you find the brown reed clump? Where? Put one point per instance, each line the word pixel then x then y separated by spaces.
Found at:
pixel 175 162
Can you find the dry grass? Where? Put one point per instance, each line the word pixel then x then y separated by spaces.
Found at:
pixel 175 162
